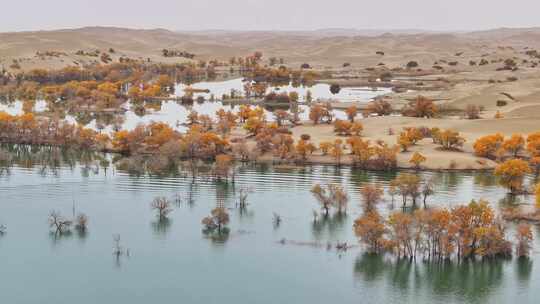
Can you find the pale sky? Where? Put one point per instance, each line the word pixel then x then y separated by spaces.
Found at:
pixel 18 15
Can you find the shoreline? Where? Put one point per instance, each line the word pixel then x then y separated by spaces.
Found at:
pixel 353 166
pixel 322 160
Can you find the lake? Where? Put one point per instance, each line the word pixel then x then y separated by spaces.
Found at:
pixel 175 113
pixel 174 261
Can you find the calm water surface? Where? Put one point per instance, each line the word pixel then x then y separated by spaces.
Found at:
pixel 175 113
pixel 175 262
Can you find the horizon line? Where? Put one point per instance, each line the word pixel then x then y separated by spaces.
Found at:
pixel 387 30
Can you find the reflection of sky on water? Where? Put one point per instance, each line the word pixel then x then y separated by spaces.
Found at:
pixel 174 113
pixel 318 91
pixel 16 108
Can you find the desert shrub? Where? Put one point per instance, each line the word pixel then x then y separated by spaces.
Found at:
pixel 305 137
pixel 386 76
pixel 380 107
pixel 501 103
pixel 472 111
pixel 412 64
pixel 420 107
pixel 335 88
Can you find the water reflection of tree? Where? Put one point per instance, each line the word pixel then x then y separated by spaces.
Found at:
pixel 485 179
pixel 56 237
pixel 83 118
pixel 82 234
pixel 224 191
pixel 49 160
pixel 446 181
pixel 331 225
pixel 6 161
pixel 360 176
pixel 470 280
pixel 524 269
pixel 105 119
pixel 161 226
pixel 510 201
pixel 217 238
pixel 191 194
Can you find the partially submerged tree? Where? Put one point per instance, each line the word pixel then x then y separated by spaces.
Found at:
pixel 163 207
pixel 331 196
pixel 511 174
pixel 407 185
pixel 223 167
pixel 524 239
pixel 217 220
pixel 371 196
pixel 60 224
pixel 428 188
pixel 463 231
pixel 370 229
pixel 243 197
pixel 118 249
pixel 81 222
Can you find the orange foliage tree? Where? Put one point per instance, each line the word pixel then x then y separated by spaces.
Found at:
pixel 417 159
pixel 371 196
pixel 351 112
pixel 337 151
pixel 331 196
pixel 462 231
pixel 449 139
pixel 514 145
pixel 487 146
pixel 421 107
pixel 511 174
pixel 304 147
pixel 533 144
pixel 537 192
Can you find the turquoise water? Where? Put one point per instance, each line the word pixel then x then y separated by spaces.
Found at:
pixel 175 262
